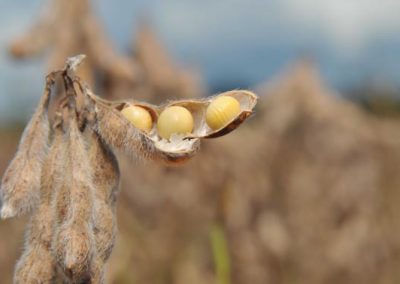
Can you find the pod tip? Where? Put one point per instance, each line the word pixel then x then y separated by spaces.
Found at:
pixel 73 62
pixel 6 212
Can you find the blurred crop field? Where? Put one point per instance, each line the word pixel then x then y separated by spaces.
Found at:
pixel 306 191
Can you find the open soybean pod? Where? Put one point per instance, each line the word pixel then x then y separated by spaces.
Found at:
pixel 118 132
pixel 170 132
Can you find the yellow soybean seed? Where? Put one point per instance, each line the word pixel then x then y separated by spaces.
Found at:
pixel 174 119
pixel 139 117
pixel 221 111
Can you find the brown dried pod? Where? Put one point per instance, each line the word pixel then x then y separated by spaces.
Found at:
pixel 106 183
pixel 37 264
pixel 61 197
pixel 73 243
pixel 21 181
pixel 177 126
pixel 96 271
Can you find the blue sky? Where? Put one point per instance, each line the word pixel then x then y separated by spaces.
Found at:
pixel 233 43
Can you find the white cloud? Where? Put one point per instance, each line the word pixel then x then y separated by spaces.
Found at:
pixel 346 25
pixel 349 25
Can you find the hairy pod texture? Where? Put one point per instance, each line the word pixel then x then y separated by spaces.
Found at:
pixel 97 271
pixel 20 186
pixel 37 264
pixel 73 243
pixel 106 174
pixel 119 133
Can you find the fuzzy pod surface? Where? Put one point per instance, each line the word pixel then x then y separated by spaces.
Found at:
pixel 37 261
pixel 73 243
pixel 106 176
pixel 20 185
